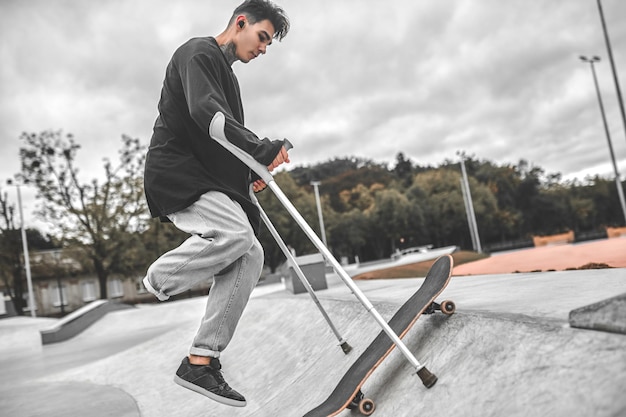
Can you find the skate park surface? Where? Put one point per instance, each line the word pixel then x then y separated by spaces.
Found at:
pixel 508 350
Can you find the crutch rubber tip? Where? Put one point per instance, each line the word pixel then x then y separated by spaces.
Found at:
pixel 428 379
pixel 346 347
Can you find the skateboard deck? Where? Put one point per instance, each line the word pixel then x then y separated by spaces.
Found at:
pixel 348 393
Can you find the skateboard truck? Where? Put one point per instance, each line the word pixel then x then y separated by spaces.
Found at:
pixel 447 307
pixel 365 405
pixel 216 131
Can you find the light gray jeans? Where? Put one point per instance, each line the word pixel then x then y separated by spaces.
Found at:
pixel 222 247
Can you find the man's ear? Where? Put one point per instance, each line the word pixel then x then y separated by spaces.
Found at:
pixel 241 21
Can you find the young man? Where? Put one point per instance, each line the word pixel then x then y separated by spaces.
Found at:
pixel 199 186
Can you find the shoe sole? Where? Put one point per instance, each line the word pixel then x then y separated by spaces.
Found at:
pixel 209 394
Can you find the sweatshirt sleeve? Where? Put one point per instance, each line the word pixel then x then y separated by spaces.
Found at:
pixel 202 78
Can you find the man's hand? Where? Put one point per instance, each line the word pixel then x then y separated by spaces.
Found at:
pixel 258 185
pixel 281 158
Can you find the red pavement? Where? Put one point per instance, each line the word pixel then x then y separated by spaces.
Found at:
pixel 611 252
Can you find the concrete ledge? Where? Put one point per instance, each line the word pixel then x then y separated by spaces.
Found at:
pixel 77 321
pixel 613 232
pixel 559 239
pixel 314 270
pixel 608 315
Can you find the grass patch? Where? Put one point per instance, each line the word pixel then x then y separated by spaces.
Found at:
pixel 419 269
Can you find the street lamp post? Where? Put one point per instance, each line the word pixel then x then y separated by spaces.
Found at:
pixel 609 50
pixel 469 206
pixel 620 192
pixel 315 185
pixel 31 297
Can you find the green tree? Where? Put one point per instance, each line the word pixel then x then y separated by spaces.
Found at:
pixel 97 217
pixel 366 176
pixel 403 169
pixel 348 233
pixel 444 208
pixel 603 192
pixel 359 197
pixel 293 236
pixel 330 169
pixel 389 219
pixel 417 234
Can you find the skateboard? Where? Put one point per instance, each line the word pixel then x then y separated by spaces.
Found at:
pixel 348 392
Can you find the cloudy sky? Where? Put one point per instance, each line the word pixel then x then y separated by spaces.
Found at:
pixel 500 80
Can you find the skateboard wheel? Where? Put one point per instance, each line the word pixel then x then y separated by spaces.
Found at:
pixel 448 307
pixel 367 407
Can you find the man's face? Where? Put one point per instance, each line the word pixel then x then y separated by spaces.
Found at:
pixel 253 40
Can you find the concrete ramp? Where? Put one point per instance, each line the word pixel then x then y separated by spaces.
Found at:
pixel 487 364
pixel 285 361
pixel 281 353
pixel 608 315
pixel 515 366
pixel 77 321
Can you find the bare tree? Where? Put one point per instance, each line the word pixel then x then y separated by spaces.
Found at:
pixel 101 217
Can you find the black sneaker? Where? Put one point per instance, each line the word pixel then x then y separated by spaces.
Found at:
pixel 208 381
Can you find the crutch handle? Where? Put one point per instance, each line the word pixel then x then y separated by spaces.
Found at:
pixel 216 130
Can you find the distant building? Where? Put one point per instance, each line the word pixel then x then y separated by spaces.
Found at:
pixel 61 285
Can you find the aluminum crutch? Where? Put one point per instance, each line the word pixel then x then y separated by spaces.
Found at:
pixel 216 131
pixel 305 282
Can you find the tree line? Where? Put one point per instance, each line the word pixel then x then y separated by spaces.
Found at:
pixel 370 209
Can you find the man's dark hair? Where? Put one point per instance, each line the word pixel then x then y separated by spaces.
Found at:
pixel 259 10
